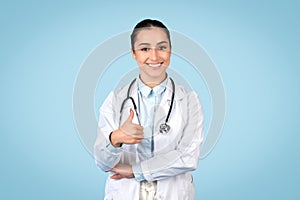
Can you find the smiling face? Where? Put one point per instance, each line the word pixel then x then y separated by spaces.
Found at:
pixel 152 52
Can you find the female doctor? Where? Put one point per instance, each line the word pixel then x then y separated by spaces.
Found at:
pixel 150 130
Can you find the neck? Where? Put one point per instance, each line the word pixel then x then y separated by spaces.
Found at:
pixel 152 83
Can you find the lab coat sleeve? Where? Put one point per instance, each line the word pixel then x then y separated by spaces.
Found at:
pixel 186 156
pixel 106 155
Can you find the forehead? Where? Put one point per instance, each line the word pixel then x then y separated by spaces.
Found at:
pixel 152 35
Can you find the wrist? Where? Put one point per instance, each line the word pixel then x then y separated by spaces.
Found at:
pixel 114 139
pixel 137 172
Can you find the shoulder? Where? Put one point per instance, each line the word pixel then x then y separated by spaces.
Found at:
pixel 182 92
pixel 120 94
pixel 122 91
pixel 187 98
pixel 115 95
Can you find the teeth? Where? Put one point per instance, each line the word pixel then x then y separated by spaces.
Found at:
pixel 154 65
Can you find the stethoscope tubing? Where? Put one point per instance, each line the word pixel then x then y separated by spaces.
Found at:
pixel 135 106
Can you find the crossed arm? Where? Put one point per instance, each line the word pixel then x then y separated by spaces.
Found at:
pixel 186 155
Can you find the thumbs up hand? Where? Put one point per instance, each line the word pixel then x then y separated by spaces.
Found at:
pixel 128 133
pixel 131 115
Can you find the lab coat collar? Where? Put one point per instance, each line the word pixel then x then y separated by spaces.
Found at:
pixel 146 90
pixel 179 91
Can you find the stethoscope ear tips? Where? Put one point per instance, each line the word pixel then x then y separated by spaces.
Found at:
pixel 164 128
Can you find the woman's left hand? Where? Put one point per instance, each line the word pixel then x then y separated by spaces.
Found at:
pixel 122 171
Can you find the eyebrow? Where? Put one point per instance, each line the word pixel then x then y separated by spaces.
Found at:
pixel 141 44
pixel 147 44
pixel 162 42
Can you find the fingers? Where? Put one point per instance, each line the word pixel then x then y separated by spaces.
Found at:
pixel 137 130
pixel 138 127
pixel 117 176
pixel 133 130
pixel 134 140
pixel 122 170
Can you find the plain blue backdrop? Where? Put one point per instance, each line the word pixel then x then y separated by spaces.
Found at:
pixel 254 44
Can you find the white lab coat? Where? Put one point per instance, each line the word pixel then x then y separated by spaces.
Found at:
pixel 175 154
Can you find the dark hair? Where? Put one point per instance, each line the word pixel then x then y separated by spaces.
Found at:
pixel 147 23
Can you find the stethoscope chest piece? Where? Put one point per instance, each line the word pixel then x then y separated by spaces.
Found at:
pixel 164 128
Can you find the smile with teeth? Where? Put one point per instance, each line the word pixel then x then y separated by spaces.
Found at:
pixel 154 64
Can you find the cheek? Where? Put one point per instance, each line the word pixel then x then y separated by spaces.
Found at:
pixel 166 55
pixel 167 58
pixel 141 62
pixel 140 58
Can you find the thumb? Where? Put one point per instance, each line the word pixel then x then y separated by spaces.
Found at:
pixel 131 115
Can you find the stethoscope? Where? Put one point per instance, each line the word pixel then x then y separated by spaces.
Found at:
pixel 164 128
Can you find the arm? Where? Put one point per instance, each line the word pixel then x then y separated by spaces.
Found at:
pixel 107 150
pixel 106 155
pixel 185 157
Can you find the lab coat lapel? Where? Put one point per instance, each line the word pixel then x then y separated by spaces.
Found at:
pixel 134 95
pixel 163 108
pixel 121 96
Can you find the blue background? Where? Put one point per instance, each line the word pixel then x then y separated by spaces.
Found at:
pixel 255 46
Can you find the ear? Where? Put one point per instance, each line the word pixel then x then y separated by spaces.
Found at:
pixel 133 54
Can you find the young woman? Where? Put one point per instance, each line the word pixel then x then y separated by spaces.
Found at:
pixel 150 131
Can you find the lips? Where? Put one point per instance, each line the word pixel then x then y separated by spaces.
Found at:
pixel 154 64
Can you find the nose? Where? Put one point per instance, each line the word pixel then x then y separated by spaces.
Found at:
pixel 153 54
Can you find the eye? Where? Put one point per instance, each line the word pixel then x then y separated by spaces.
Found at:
pixel 145 49
pixel 162 48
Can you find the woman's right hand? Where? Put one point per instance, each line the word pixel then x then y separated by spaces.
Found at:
pixel 128 133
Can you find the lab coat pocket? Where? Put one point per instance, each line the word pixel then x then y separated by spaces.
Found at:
pixel 113 189
pixel 120 189
pixel 110 189
pixel 188 187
